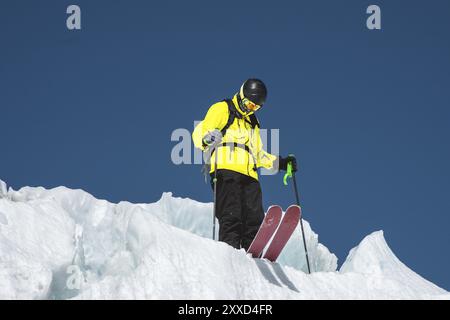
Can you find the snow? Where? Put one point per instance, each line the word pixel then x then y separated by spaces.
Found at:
pixel 3 190
pixel 66 244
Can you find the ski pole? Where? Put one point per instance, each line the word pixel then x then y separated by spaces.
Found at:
pixel 215 196
pixel 291 174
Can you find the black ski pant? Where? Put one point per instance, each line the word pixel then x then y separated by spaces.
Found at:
pixel 239 207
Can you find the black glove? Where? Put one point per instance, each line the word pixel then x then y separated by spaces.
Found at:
pixel 283 163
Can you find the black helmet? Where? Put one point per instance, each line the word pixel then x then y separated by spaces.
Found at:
pixel 254 90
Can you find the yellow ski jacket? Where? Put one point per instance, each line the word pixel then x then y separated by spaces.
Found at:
pixel 241 149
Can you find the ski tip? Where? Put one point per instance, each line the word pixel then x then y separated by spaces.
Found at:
pixel 277 210
pixel 295 208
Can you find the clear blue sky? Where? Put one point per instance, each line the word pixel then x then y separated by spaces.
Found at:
pixel 366 112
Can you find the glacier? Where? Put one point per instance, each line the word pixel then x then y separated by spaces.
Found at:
pixel 65 244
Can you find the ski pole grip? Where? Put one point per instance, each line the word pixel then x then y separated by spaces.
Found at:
pixel 288 173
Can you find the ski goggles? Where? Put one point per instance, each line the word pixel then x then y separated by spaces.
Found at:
pixel 250 105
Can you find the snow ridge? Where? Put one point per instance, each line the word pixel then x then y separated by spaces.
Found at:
pixel 66 244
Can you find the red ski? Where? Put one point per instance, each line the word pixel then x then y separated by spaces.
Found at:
pixel 283 233
pixel 266 230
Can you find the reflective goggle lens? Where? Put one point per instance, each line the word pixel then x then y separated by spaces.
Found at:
pixel 250 105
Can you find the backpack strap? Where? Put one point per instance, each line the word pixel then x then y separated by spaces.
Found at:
pixel 232 114
pixel 254 121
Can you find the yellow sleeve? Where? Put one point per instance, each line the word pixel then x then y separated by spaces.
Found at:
pixel 216 118
pixel 263 158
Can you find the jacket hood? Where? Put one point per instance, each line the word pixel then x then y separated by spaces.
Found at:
pixel 236 105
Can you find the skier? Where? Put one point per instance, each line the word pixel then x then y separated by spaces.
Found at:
pixel 231 129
